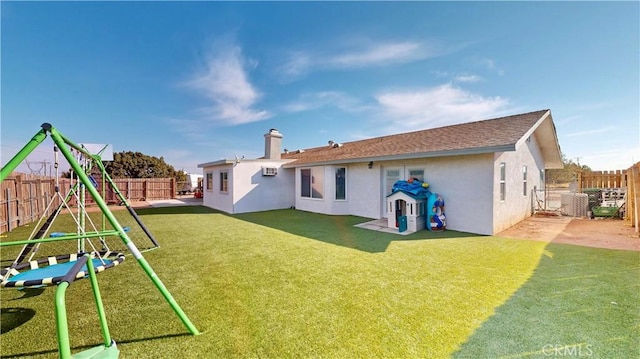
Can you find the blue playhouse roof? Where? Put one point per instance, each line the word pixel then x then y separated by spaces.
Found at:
pixel 414 189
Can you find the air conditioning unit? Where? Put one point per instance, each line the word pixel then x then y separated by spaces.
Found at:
pixel 574 204
pixel 269 171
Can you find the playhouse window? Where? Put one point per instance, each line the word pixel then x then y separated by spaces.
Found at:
pixel 341 183
pixel 311 182
pixel 503 184
pixel 224 176
pixel 209 181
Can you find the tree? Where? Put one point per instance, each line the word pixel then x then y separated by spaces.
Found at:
pixel 138 165
pixel 567 174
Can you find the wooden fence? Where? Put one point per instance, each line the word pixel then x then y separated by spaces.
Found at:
pixel 629 179
pixel 633 196
pixel 25 198
pixel 602 179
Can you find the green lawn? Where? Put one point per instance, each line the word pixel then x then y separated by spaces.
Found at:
pixel 291 284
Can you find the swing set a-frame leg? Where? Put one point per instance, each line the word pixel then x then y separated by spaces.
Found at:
pixel 62 144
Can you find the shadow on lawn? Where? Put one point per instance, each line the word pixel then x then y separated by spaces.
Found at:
pixel 176 210
pixel 338 230
pixel 11 318
pixel 579 302
pixel 85 347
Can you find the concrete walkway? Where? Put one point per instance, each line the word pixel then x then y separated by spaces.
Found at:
pixel 600 232
pixel 380 225
pixel 184 201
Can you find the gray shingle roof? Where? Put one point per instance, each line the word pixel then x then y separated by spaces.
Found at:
pixel 498 134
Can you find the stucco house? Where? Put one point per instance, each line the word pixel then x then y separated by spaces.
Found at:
pixel 485 170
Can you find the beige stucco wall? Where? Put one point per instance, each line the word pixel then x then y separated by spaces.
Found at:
pixel 465 183
pixel 212 197
pixel 517 204
pixel 248 189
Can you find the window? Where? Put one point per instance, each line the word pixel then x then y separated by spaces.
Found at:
pixel 312 182
pixel 392 176
pixel 416 173
pixel 341 183
pixel 209 181
pixel 524 180
pixel 224 177
pixel 503 185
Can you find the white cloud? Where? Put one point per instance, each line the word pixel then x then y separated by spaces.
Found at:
pixel 437 106
pixel 596 131
pixel 296 66
pixel 364 54
pixel 379 54
pixel 439 74
pixel 224 81
pixel 316 100
pixel 467 78
pixel 490 65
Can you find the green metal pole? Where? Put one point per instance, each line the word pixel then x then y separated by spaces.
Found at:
pixel 81 215
pixel 64 347
pixel 123 235
pixel 133 213
pixel 23 153
pixel 66 237
pixel 99 306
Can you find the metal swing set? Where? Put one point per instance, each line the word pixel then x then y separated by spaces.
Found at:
pixel 88 258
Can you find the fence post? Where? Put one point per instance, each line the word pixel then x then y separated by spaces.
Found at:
pixel 635 177
pixel 8 209
pixel 19 201
pixel 31 209
pixel 145 185
pixel 580 181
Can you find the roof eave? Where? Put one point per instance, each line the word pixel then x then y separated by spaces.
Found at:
pixel 545 129
pixel 408 156
pixel 234 161
pixel 215 163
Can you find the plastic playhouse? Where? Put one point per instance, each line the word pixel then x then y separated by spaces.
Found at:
pixel 412 207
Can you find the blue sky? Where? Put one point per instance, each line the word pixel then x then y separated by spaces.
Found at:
pixel 196 82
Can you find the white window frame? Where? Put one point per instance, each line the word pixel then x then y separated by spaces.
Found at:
pixel 388 186
pixel 503 181
pixel 224 181
pixel 209 181
pixel 412 169
pixel 315 174
pixel 524 181
pixel 344 183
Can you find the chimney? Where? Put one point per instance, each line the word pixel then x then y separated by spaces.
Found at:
pixel 272 144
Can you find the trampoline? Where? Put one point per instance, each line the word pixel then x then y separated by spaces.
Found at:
pixel 52 270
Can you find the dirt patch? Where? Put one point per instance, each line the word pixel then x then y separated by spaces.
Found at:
pixel 600 233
